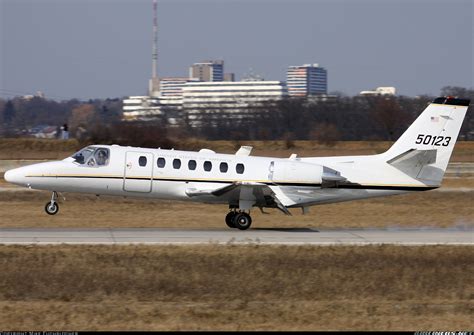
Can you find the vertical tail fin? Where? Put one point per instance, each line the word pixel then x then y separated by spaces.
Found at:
pixel 424 150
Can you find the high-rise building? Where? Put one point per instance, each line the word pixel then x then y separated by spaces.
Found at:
pixel 229 77
pixel 212 70
pixel 306 80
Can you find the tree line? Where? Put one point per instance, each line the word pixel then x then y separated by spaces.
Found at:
pixel 340 118
pixel 337 119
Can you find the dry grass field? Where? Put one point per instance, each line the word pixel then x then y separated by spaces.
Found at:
pixel 421 209
pixel 30 148
pixel 236 288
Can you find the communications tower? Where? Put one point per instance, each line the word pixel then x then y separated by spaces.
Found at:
pixel 154 84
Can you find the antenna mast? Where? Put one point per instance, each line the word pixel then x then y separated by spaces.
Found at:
pixel 155 39
pixel 154 86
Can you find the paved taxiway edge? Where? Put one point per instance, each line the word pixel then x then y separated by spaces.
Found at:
pixel 164 236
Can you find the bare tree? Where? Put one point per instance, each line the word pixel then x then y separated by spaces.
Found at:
pixel 389 117
pixel 326 133
pixel 456 91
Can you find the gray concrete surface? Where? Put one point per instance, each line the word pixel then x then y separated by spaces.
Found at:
pixel 459 169
pixel 296 236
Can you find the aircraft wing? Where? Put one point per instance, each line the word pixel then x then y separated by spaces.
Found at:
pixel 244 195
pixel 194 191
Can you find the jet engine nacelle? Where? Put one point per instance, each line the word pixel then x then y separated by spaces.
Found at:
pixel 296 172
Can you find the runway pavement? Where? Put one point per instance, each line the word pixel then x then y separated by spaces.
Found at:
pixel 296 236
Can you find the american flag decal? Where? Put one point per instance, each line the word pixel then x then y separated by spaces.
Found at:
pixel 434 119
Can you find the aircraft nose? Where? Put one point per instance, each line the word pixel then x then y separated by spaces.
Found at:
pixel 15 176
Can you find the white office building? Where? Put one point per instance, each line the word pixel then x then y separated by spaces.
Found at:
pixel 387 90
pixel 306 80
pixel 171 91
pixel 229 99
pixel 169 100
pixel 184 97
pixel 141 108
pixel 231 95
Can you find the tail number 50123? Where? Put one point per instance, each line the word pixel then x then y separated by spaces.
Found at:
pixel 433 140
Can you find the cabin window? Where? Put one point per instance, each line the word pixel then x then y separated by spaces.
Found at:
pixel 192 164
pixel 223 167
pixel 142 161
pixel 176 163
pixel 207 166
pixel 101 156
pixel 239 168
pixel 161 162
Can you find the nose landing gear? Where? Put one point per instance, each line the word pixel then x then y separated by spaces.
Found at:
pixel 239 220
pixel 52 206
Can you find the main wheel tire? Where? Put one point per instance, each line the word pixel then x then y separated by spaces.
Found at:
pixel 51 208
pixel 242 221
pixel 229 219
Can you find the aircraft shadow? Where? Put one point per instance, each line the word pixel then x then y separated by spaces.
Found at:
pixel 290 230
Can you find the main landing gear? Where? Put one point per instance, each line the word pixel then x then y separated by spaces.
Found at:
pixel 239 220
pixel 52 206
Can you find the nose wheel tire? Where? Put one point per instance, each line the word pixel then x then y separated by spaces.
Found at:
pixel 242 221
pixel 51 208
pixel 229 219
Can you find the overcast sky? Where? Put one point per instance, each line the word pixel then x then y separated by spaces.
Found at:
pixel 102 48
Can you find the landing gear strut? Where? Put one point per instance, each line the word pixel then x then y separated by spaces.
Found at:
pixel 52 206
pixel 239 220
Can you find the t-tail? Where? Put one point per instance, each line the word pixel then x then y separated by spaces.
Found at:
pixel 424 150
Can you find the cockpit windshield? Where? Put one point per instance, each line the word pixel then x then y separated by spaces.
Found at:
pixel 83 155
pixel 92 156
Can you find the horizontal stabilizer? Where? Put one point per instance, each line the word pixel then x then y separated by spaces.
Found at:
pixel 412 161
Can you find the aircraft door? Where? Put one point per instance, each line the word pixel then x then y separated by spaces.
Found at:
pixel 138 175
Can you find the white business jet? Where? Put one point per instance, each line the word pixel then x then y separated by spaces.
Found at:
pixel 416 162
